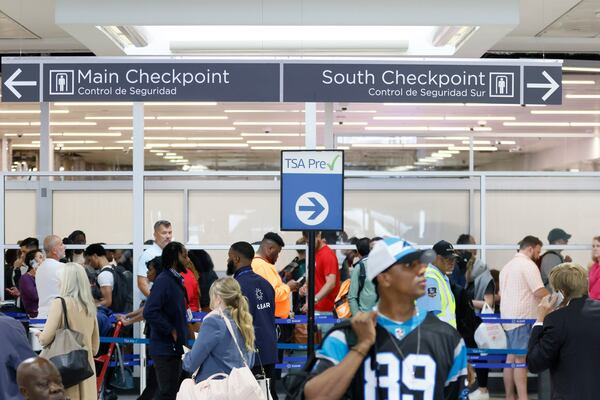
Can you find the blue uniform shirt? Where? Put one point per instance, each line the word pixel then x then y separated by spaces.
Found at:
pixel 432 299
pixel 261 301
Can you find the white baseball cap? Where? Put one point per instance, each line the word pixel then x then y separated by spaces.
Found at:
pixel 389 251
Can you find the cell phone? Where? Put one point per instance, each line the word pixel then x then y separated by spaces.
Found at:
pixel 301 281
pixel 559 298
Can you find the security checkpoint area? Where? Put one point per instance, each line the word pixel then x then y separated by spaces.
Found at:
pixel 264 140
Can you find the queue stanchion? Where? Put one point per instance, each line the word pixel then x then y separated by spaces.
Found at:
pixel 311 295
pixel 143 361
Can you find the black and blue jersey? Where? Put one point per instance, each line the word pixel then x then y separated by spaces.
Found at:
pixel 437 371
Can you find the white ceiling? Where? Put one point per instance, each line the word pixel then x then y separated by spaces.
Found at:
pixel 195 131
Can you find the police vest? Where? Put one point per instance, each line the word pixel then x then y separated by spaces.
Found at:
pixel 448 311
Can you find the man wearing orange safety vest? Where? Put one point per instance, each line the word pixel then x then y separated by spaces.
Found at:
pixel 263 264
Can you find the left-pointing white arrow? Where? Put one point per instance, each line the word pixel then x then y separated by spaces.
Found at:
pixel 552 85
pixel 11 83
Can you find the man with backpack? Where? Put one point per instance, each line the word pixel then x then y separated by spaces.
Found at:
pixel 552 258
pixel 112 283
pixel 361 295
pixel 396 351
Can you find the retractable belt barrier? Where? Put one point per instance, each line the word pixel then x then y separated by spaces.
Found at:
pixel 475 356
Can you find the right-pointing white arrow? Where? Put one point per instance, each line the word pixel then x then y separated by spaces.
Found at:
pixel 552 85
pixel 11 83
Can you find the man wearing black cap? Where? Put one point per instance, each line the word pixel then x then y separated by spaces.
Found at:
pixel 396 351
pixel 438 297
pixel 552 258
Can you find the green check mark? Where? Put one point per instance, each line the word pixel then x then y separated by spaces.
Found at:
pixel 331 165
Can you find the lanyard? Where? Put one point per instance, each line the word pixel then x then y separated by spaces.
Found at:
pixel 244 272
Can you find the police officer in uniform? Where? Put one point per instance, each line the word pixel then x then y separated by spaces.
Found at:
pixel 438 297
pixel 396 351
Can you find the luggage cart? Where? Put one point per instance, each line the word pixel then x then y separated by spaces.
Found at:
pixel 105 359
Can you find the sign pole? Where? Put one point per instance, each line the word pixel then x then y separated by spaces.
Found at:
pixel 311 295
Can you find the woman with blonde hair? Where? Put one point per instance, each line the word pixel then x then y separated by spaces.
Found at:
pixel 81 315
pixel 215 350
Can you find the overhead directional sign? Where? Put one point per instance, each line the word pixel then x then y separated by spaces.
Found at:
pixel 177 79
pixel 424 82
pixel 544 83
pixel 312 190
pixel 21 82
pixel 97 79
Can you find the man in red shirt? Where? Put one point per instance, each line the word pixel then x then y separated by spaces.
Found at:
pixel 327 279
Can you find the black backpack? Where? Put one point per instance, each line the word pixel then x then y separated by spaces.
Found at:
pixel 120 291
pixel 295 380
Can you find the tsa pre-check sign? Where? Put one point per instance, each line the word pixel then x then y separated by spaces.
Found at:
pixel 312 190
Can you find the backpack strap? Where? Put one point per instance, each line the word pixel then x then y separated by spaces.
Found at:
pixel 362 277
pixel 232 333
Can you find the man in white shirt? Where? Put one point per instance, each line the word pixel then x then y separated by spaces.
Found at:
pixel 163 234
pixel 47 275
pixel 521 290
pixel 95 256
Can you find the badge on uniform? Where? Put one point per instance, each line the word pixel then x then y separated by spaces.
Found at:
pixel 431 291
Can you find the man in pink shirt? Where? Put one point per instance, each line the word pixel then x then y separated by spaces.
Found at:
pixel 521 290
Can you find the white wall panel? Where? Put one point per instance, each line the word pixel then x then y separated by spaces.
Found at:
pixel 20 212
pixel 167 205
pixel 418 216
pixel 104 216
pixel 511 215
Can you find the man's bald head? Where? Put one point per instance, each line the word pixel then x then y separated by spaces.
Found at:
pixel 54 247
pixel 38 379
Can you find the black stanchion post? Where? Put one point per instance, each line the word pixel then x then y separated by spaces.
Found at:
pixel 311 294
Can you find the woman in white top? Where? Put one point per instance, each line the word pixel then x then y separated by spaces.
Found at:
pixel 81 315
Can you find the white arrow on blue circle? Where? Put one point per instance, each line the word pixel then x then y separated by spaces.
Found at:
pixel 317 208
pixel 312 208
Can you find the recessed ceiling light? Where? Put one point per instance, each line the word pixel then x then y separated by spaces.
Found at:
pixel 476 148
pixel 583 96
pixel 547 124
pixel 271 134
pixel 578 82
pixel 566 112
pixel 192 117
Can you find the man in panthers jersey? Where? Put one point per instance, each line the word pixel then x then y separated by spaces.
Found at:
pixel 394 352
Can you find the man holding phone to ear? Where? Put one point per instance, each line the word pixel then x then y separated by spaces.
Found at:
pixel 261 301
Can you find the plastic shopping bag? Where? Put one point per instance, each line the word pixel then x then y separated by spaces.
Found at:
pixel 490 335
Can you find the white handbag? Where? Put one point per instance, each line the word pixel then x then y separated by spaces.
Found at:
pixel 490 335
pixel 239 384
pixel 264 382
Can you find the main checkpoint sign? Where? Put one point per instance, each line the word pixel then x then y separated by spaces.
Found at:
pixel 312 190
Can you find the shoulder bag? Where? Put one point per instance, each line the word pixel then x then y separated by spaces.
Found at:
pixel 239 384
pixel 68 353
